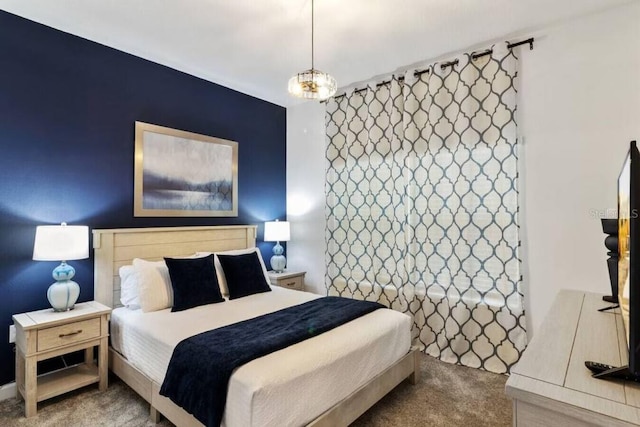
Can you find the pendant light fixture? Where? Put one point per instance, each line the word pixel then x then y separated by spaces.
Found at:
pixel 312 83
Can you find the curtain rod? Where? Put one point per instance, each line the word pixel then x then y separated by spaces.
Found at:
pixel 444 65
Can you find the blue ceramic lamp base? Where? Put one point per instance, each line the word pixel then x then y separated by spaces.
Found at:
pixel 64 293
pixel 278 261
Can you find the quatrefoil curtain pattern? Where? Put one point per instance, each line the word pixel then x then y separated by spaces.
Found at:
pixel 422 206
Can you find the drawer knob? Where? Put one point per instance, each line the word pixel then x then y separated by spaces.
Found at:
pixel 79 331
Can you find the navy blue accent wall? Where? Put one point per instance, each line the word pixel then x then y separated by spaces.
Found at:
pixel 67 113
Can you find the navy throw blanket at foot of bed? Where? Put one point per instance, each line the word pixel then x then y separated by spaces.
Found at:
pixel 201 365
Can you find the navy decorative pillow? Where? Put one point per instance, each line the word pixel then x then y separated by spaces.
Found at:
pixel 244 275
pixel 194 282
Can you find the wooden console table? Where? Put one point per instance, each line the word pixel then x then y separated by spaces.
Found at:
pixel 550 386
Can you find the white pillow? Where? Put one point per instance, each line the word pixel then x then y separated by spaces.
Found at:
pixel 222 281
pixel 129 284
pixel 154 291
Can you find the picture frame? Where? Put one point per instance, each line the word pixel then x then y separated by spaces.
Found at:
pixel 183 174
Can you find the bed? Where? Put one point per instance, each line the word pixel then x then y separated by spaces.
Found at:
pixel 328 380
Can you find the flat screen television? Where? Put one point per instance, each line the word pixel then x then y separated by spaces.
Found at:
pixel 628 267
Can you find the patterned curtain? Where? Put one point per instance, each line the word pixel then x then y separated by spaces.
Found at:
pixel 422 205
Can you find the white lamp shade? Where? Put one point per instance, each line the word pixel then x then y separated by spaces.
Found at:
pixel 61 242
pixel 276 231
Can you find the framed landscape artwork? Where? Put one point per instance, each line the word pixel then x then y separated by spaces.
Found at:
pixel 180 173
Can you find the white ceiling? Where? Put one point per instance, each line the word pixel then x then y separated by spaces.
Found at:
pixel 254 46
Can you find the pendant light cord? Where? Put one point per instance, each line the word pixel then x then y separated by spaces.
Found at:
pixel 311 83
pixel 312 35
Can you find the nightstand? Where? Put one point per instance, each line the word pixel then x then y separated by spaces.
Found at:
pixel 288 279
pixel 44 334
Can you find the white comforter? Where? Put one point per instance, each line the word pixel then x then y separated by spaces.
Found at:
pixel 289 387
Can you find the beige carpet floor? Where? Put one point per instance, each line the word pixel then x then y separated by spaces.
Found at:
pixel 446 396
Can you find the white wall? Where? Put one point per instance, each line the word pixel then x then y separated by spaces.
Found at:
pixel 579 108
pixel 305 193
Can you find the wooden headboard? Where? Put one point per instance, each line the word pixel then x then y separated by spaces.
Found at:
pixel 117 247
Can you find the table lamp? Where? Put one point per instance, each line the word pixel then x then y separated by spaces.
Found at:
pixel 62 243
pixel 277 231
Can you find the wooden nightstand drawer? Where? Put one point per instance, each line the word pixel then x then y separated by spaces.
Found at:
pixel 70 333
pixel 288 279
pixel 291 283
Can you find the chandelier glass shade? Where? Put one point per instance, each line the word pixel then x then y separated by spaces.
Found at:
pixel 312 83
